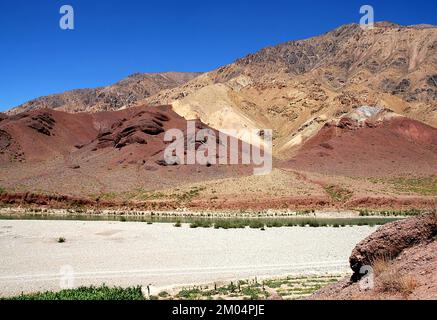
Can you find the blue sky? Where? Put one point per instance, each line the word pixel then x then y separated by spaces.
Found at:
pixel 113 39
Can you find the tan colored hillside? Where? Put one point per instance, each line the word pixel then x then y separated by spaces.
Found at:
pixel 122 94
pixel 295 87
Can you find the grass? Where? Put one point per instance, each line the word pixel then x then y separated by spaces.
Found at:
pixel 143 195
pixel 389 280
pixel 381 264
pixel 392 282
pixel 426 186
pixel 338 193
pixel 290 287
pixel 390 213
pixel 201 224
pixel 189 195
pixel 2 190
pixel 189 294
pixel 86 293
pixel 178 224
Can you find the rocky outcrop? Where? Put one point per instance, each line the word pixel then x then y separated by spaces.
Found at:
pixel 391 239
pixel 403 257
pixel 42 122
pixel 136 130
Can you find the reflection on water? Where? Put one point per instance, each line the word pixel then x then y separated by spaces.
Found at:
pixel 214 221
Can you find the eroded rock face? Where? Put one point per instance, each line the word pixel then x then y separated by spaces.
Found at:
pixel 3 116
pixel 391 239
pixel 5 140
pixel 43 123
pixel 136 130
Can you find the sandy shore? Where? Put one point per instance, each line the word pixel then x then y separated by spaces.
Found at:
pixel 135 253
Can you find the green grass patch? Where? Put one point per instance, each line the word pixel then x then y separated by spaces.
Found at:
pixel 390 213
pixel 86 293
pixel 338 193
pixel 201 224
pixel 189 195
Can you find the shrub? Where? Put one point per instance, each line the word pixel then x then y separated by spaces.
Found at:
pixel 256 224
pixel 381 264
pixel 392 282
pixel 201 223
pixel 61 240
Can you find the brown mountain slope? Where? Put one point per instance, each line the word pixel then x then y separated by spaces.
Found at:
pixel 118 155
pixel 297 86
pixel 122 94
pixel 91 153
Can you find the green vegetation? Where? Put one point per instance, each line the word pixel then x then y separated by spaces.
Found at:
pixel 189 294
pixel 426 186
pixel 201 224
pixel 148 195
pixel 230 224
pixel 61 240
pixel 207 220
pixel 180 196
pixel 338 193
pixel 108 196
pixel 189 195
pixel 291 287
pixel 86 293
pixel 2 190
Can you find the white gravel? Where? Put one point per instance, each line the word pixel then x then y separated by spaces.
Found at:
pixel 135 253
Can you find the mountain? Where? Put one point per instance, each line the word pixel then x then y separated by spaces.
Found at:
pixel 296 87
pixel 120 95
pixel 96 153
pixel 370 142
pixel 293 88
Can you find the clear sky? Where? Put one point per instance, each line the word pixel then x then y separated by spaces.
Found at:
pixel 113 39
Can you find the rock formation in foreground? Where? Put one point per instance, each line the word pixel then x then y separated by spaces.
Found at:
pixel 403 255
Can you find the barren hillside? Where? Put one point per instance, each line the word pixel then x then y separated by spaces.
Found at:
pixel 299 85
pixel 122 94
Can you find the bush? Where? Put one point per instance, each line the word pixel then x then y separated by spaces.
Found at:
pixel 381 264
pixel 201 224
pixel 256 224
pixel 392 282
